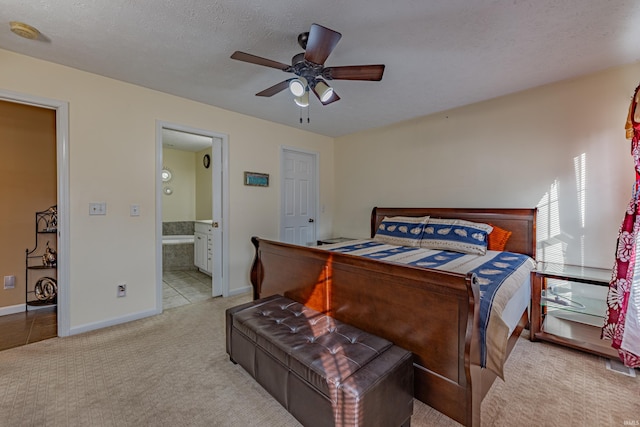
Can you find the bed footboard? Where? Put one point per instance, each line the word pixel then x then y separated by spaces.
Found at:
pixel 431 315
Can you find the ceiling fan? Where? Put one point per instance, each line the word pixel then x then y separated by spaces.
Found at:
pixel 308 66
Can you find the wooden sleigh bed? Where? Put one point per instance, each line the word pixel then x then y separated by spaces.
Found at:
pixel 432 313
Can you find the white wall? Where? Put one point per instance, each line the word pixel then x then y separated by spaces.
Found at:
pixel 112 159
pixel 507 152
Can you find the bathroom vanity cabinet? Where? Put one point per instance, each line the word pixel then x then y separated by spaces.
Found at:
pixel 41 261
pixel 203 246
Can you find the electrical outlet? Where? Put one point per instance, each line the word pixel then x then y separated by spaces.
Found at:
pixel 9 282
pixel 122 290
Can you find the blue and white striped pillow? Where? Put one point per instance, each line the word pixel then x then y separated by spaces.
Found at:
pixel 456 235
pixel 401 230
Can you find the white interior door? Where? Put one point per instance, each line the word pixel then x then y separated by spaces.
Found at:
pixel 217 185
pixel 299 197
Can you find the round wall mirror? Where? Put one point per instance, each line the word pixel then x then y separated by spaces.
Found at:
pixel 166 175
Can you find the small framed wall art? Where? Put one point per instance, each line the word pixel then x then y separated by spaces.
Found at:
pixel 256 179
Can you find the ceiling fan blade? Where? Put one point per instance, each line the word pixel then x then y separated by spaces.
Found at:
pixel 354 72
pixel 320 44
pixel 274 89
pixel 247 57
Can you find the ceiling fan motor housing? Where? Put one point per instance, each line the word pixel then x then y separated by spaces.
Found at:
pixel 303 68
pixel 297 59
pixel 302 40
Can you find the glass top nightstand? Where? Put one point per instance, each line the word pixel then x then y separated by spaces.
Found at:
pixel 334 240
pixel 568 306
pixel 578 273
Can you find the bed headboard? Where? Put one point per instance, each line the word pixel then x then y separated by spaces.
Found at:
pixel 521 222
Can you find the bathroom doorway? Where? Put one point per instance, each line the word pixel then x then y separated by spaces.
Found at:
pixel 191 233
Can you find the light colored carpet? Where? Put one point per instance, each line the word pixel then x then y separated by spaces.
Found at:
pixel 172 370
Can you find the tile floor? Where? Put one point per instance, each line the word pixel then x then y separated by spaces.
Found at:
pixel 27 327
pixel 180 287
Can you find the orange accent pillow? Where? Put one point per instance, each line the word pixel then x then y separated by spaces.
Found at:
pixel 497 239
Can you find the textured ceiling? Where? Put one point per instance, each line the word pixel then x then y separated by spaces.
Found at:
pixel 178 140
pixel 439 54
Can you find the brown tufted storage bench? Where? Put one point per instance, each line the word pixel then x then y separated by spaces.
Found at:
pixel 324 372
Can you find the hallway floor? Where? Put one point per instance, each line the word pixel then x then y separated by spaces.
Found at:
pixel 184 287
pixel 178 288
pixel 28 327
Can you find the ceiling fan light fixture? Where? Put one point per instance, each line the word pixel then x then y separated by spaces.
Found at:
pixel 302 101
pixel 298 86
pixel 324 91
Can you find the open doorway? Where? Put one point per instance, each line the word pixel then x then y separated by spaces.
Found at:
pixel 191 192
pixel 61 308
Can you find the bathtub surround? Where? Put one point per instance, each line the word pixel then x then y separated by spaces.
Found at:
pixel 177 257
pixel 172 228
pixel 177 254
pixel 178 239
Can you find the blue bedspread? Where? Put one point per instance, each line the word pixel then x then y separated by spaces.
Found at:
pixel 500 274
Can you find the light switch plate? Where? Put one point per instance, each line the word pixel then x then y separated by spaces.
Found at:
pixel 134 210
pixel 98 208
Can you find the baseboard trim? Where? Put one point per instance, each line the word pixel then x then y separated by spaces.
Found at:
pixel 244 290
pixel 112 322
pixel 41 307
pixel 12 309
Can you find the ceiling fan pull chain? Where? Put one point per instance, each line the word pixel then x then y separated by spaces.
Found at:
pixel 300 109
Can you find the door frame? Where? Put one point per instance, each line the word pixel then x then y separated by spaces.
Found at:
pixel 62 153
pixel 220 209
pixel 316 185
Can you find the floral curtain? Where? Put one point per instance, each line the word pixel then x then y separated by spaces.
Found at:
pixel 622 322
